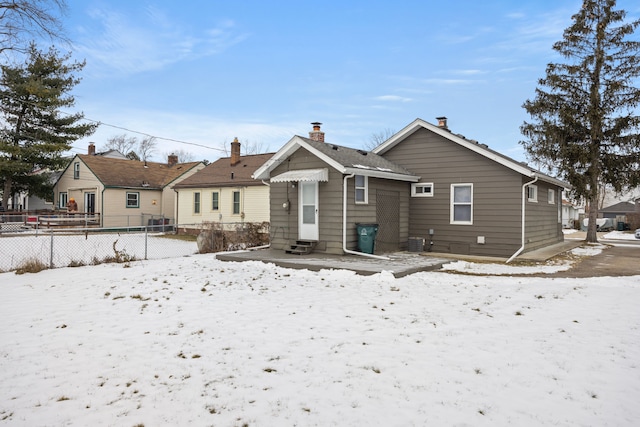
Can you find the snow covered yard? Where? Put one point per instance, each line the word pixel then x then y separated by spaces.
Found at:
pixel 196 341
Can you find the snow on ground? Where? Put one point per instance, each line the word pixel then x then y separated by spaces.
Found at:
pixel 196 341
pixel 502 269
pixel 15 250
pixel 620 235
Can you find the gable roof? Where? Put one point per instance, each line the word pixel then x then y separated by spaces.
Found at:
pixel 472 145
pixel 622 207
pixel 113 172
pixel 222 174
pixel 344 159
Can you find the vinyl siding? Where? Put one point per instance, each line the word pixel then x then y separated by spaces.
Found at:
pixel 76 188
pixel 119 215
pixel 110 203
pixel 169 199
pixel 254 204
pixel 497 199
pixel 284 224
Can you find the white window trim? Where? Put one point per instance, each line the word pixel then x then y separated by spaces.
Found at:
pixel 212 199
pixel 451 208
pixel 365 188
pixel 76 170
pixel 551 196
pixel 233 203
pixel 422 185
pixel 533 199
pixel 63 199
pixel 137 205
pixel 199 203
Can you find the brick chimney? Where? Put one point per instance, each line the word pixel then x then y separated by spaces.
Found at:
pixel 316 134
pixel 92 149
pixel 172 159
pixel 235 152
pixel 442 122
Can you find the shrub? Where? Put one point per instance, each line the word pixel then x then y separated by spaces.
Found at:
pixel 214 237
pixel 32 265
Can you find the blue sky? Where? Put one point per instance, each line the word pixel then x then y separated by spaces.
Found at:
pixel 196 74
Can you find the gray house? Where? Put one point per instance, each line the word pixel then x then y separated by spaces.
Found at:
pixel 425 182
pixel 319 191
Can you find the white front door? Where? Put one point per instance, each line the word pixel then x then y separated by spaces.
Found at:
pixel 308 211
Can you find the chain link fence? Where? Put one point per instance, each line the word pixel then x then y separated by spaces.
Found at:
pixel 21 245
pixel 88 246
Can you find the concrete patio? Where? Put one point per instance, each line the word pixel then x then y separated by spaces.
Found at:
pixel 398 263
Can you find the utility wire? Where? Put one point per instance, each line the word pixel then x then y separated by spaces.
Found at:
pixel 99 123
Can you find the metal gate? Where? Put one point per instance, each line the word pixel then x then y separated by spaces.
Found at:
pixel 388 216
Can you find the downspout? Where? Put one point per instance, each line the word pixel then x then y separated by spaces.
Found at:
pixel 524 188
pixel 101 205
pixel 344 223
pixel 175 209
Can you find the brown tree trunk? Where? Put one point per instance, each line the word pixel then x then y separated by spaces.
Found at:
pixel 6 193
pixel 592 236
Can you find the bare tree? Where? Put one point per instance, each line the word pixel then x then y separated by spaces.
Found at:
pixel 183 156
pixel 21 21
pixel 378 138
pixel 147 147
pixel 249 147
pixel 246 148
pixel 122 143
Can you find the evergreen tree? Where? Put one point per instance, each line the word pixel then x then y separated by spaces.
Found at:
pixel 33 132
pixel 584 127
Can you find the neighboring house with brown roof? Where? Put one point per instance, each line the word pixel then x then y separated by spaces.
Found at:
pixel 224 191
pixel 123 192
pixel 424 182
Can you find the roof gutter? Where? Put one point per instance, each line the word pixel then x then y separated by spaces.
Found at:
pixel 524 192
pixel 344 223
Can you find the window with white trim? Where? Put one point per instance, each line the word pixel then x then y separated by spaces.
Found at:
pixel 76 170
pixel 63 199
pixel 462 204
pixel 196 202
pixel 362 191
pixel 532 193
pixel 133 199
pixel 236 202
pixel 551 197
pixel 215 201
pixel 422 189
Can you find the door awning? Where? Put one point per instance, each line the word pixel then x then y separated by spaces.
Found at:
pixel 303 175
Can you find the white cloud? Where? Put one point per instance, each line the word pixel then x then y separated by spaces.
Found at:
pixel 392 98
pixel 126 45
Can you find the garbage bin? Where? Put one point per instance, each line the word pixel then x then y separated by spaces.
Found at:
pixel 366 237
pixel 620 226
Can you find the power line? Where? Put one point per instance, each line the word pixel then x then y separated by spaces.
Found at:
pixel 99 123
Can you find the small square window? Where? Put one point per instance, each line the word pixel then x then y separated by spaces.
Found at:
pixel 422 189
pixel 362 192
pixel 133 200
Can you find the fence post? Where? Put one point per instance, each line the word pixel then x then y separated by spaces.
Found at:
pixel 51 255
pixel 146 238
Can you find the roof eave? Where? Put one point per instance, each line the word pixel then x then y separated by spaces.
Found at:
pixel 381 174
pixel 479 149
